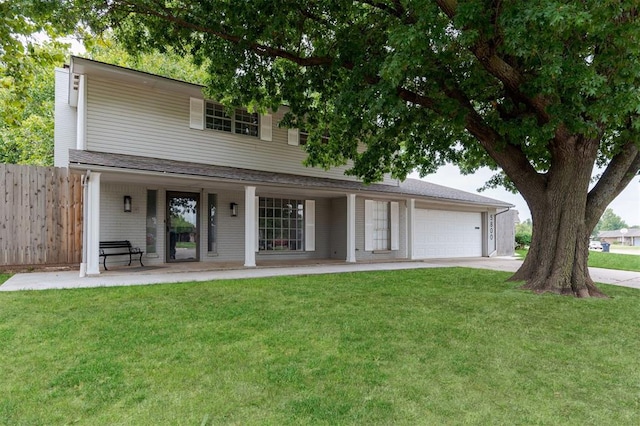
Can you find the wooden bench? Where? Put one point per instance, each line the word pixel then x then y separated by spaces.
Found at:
pixel 119 248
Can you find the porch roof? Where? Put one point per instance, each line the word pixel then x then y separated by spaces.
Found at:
pixel 410 188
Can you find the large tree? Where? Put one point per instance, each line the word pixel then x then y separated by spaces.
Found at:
pixel 540 90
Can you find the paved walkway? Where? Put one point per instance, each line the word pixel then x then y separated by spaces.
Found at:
pixel 184 272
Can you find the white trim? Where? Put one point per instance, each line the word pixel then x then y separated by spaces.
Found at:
pixel 266 127
pixel 196 113
pixel 257 227
pixel 351 228
pixel 310 225
pixel 368 225
pixel 411 218
pixel 81 123
pixel 249 226
pixel 394 219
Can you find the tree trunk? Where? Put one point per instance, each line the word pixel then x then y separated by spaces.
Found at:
pixel 557 258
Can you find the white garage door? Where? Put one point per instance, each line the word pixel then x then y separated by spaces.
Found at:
pixel 440 233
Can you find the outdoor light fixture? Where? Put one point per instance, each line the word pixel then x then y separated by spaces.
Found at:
pixel 127 203
pixel 234 209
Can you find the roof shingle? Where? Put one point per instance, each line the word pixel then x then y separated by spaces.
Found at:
pixel 410 187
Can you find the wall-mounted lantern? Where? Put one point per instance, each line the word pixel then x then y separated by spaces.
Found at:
pixel 127 203
pixel 234 209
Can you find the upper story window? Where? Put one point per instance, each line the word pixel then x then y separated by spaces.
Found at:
pixel 216 117
pixel 242 122
pixel 303 137
pixel 246 123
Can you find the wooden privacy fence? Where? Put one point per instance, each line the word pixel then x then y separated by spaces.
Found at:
pixel 40 215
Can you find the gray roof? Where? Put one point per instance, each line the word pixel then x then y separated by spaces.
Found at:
pixel 631 232
pixel 411 187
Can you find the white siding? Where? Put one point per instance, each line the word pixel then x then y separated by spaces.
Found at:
pixel 139 121
pixel 230 229
pixel 65 120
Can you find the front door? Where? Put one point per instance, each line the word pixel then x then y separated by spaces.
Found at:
pixel 182 227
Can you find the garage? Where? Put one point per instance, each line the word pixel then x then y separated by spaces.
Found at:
pixel 443 233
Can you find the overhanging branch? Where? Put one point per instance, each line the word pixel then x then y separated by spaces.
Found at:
pixel 621 170
pixel 485 51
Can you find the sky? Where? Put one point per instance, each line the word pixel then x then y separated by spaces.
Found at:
pixel 626 205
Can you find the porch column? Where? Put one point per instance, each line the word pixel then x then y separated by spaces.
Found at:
pixel 351 228
pixel 91 248
pixel 250 226
pixel 411 207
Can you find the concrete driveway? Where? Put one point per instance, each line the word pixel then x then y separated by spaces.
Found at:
pixel 165 274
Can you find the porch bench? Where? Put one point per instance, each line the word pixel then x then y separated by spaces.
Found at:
pixel 119 248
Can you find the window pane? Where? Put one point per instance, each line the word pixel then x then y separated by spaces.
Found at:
pixel 152 220
pixel 381 227
pixel 216 117
pixel 246 123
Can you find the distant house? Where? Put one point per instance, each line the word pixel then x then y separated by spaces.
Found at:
pixel 630 238
pixel 155 154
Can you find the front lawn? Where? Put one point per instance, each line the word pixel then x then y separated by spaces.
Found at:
pixel 623 262
pixel 428 346
pixel 4 277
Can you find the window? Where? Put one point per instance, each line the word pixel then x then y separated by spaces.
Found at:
pixel 303 136
pixel 381 228
pixel 212 244
pixel 382 225
pixel 242 122
pixel 246 123
pixel 152 221
pixel 216 118
pixel 281 224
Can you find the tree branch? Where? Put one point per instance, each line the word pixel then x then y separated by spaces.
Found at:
pixel 621 170
pixel 258 48
pixel 485 51
pixel 398 10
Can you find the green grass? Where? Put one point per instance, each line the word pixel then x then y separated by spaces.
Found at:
pixel 430 346
pixel 623 262
pixel 4 277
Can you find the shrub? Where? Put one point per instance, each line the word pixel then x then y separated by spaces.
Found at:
pixel 523 240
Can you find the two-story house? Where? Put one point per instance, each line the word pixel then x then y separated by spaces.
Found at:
pixel 186 180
